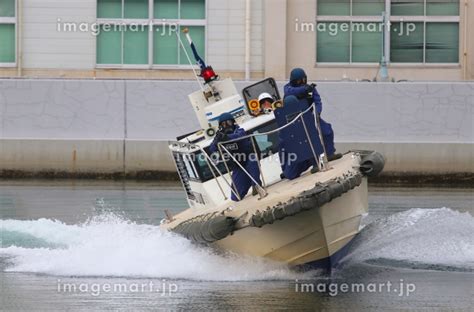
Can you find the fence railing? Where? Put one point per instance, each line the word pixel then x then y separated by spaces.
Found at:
pixel 262 189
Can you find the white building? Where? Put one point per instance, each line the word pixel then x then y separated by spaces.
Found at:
pixel 330 39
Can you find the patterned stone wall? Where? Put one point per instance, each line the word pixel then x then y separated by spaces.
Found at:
pixel 159 110
pixel 117 126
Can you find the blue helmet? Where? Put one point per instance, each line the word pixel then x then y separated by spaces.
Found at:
pixel 290 100
pixel 225 116
pixel 297 74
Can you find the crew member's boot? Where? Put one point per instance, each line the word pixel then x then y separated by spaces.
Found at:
pixel 334 156
pixel 254 190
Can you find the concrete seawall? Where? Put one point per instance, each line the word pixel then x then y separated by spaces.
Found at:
pixel 116 128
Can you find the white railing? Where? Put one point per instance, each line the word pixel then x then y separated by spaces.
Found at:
pixel 262 189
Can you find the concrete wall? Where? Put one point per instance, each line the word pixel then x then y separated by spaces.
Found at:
pixel 87 158
pixel 420 158
pixel 112 126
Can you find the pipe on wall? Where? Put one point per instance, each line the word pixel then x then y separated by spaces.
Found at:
pixel 466 8
pixel 247 40
pixel 19 46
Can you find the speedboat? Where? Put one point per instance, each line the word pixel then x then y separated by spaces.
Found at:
pixel 307 222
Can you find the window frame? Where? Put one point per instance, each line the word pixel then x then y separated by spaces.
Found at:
pixel 198 167
pixel 393 19
pixel 152 22
pixel 8 20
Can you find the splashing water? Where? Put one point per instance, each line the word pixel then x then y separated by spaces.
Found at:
pixel 108 245
pixel 441 237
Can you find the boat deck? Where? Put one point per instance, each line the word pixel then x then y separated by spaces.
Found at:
pixel 280 191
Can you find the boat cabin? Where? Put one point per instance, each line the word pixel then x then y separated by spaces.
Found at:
pixel 204 175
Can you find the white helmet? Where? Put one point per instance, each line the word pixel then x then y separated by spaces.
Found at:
pixel 264 96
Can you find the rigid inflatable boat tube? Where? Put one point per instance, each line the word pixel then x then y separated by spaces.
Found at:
pixel 211 227
pixel 207 228
pixel 372 164
pixel 217 228
pixel 321 194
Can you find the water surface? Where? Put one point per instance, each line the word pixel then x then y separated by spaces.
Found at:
pixel 106 233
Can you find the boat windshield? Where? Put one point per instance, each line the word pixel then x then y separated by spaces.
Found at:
pixel 203 167
pixel 267 145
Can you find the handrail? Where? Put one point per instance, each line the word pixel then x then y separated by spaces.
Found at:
pixel 209 161
pixel 322 166
pixel 262 191
pixel 274 130
pixel 258 162
pixel 309 141
pixel 228 170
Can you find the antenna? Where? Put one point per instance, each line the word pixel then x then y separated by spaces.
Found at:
pixel 186 31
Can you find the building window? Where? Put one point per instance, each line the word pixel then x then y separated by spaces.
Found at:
pixel 419 7
pixel 406 49
pixel 7 33
pixel 349 42
pixel 421 31
pixel 142 33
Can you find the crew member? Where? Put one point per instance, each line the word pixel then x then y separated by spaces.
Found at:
pixel 298 87
pixel 242 151
pixel 265 100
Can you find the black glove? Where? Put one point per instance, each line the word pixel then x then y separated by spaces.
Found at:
pixel 220 136
pixel 310 87
pixel 309 92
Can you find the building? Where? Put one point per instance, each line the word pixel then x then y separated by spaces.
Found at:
pixel 331 39
pixel 121 103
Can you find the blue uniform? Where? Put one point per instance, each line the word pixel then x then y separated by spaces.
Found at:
pixel 243 152
pixel 294 170
pixel 326 128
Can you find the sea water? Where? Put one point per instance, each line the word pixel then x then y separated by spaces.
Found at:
pixel 69 245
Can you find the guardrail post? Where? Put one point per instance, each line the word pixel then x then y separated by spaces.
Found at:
pixel 263 192
pixel 309 141
pixel 324 165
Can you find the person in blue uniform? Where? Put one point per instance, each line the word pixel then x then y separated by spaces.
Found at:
pixel 242 151
pixel 299 88
pixel 291 169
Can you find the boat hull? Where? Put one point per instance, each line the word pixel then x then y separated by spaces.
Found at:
pixel 317 237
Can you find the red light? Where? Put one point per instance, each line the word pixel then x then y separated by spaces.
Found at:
pixel 208 74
